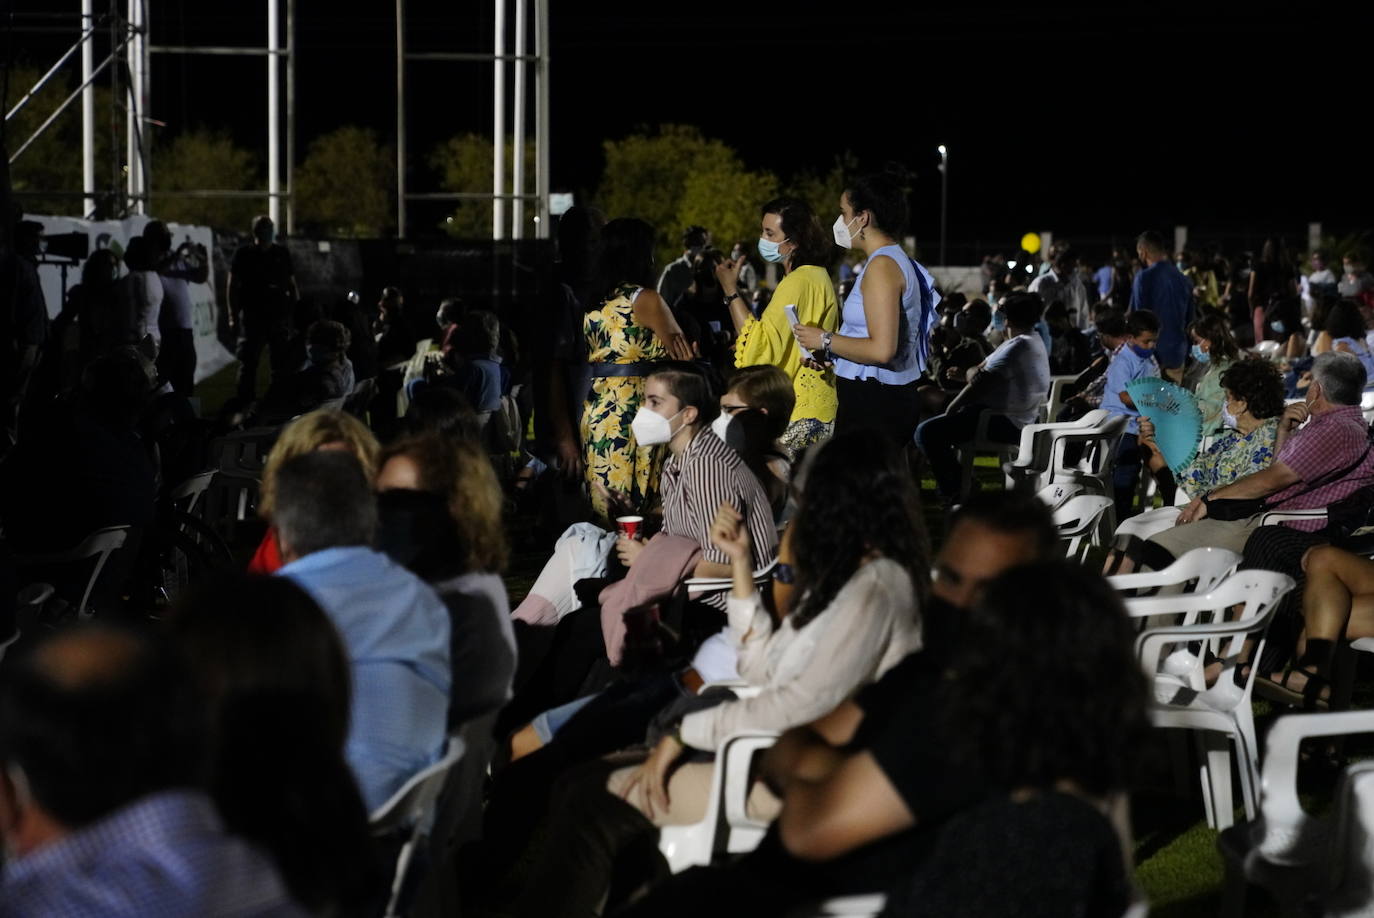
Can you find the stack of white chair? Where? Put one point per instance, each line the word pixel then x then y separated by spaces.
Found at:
pixel 1041 455
pixel 1081 520
pixel 1219 714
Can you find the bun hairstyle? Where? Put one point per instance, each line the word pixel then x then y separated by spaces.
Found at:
pixel 884 195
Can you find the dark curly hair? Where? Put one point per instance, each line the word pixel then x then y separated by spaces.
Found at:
pixel 859 499
pixel 1258 383
pixel 1344 320
pixel 1043 684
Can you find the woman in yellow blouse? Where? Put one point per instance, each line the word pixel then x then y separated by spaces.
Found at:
pixel 791 236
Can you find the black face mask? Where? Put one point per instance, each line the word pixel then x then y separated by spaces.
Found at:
pixel 941 621
pixel 415 530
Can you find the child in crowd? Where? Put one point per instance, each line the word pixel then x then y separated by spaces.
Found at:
pixel 1136 360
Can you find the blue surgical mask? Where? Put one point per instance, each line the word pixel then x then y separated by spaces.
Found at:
pixel 768 249
pixel 999 320
pixel 1144 353
pixel 1200 355
pixel 1278 327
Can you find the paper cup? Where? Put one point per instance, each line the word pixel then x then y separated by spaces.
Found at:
pixel 629 525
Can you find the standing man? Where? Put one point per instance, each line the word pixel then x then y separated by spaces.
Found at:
pixel 176 362
pixel 261 295
pixel 1161 288
pixel 1062 283
pixel 23 321
pixel 677 276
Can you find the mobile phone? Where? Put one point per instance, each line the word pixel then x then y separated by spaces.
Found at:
pixel 791 310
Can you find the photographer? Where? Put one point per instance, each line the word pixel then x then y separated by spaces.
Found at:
pixel 177 270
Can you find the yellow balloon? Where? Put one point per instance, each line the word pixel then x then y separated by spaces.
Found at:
pixel 1031 242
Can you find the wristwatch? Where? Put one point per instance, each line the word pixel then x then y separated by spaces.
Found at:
pixel 732 296
pixel 826 338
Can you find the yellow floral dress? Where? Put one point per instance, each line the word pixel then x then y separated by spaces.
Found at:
pixel 612 457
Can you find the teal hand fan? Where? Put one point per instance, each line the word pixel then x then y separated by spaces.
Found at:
pixel 1174 412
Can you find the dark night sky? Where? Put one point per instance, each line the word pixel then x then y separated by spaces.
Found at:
pixel 1087 121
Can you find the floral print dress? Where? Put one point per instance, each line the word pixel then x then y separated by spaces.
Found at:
pixel 612 456
pixel 1232 456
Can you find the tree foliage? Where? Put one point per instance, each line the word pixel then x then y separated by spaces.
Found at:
pixel 53 162
pixel 205 159
pixel 464 164
pixel 675 177
pixel 346 185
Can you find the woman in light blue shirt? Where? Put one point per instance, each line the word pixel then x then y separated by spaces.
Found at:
pixel 884 339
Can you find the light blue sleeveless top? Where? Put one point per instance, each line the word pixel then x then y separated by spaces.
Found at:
pixel 918 317
pixel 1361 350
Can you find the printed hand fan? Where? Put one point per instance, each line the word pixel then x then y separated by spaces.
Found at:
pixel 1174 412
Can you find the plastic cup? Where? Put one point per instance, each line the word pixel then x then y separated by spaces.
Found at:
pixel 629 525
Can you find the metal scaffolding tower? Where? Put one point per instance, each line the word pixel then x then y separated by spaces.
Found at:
pixel 506 223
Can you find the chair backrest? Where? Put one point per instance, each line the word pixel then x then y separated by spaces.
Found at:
pixel 187 495
pixel 243 450
pixel 100 545
pixel 1078 520
pixel 1267 349
pixel 1198 571
pixel 1351 890
pixel 1257 593
pixel 1285 833
pixel 1099 452
pixel 413 802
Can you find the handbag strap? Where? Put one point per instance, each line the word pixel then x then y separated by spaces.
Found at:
pixel 1328 479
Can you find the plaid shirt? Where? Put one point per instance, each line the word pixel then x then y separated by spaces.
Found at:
pixel 164 856
pixel 1328 443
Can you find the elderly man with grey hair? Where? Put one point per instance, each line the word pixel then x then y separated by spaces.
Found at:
pixel 1322 454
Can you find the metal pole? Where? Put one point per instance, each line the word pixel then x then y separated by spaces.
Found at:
pixel 145 93
pixel 400 119
pixel 944 200
pixel 131 58
pixel 498 128
pixel 86 31
pixel 541 116
pixel 518 153
pixel 88 109
pixel 273 116
pixel 290 117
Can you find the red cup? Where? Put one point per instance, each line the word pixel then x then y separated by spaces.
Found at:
pixel 629 525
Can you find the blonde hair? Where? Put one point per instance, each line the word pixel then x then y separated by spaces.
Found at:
pixel 308 433
pixel 460 472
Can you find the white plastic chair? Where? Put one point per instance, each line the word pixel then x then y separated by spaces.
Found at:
pixel 100 545
pixel 1042 457
pixel 1199 571
pixel 860 906
pixel 1057 495
pixel 186 496
pixel 410 811
pixel 1029 470
pixel 1219 714
pixel 1351 889
pixel 1286 850
pixel 727 818
pixel 1079 522
pixel 701 586
pixel 1055 402
pixel 1268 349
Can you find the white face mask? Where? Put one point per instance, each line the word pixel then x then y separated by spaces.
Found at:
pixel 841 233
pixel 1227 417
pixel 651 428
pixel 720 425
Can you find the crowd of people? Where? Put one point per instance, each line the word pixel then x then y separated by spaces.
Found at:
pixel 723 488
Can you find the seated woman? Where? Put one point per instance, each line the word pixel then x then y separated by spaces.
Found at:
pixel 1215 348
pixel 963 793
pixel 861 573
pixel 700 474
pixel 326 429
pixel 450 534
pixel 276 686
pixel 326 375
pixel 1345 330
pixel 1251 405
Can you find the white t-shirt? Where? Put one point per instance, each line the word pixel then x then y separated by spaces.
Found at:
pixel 1018 378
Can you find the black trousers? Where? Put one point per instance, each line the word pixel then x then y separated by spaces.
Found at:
pixel 870 405
pixel 260 332
pixel 176 362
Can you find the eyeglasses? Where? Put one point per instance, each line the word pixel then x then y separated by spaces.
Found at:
pixel 731 409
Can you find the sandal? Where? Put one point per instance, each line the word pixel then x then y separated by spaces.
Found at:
pixel 1309 697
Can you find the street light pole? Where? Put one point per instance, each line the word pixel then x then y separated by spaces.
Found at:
pixel 944 198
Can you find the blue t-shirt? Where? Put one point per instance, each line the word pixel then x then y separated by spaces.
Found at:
pixel 1103 276
pixel 1162 289
pixel 1126 366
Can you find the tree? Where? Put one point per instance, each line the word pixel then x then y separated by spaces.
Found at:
pixel 52 163
pixel 346 185
pixel 464 164
pixel 675 177
pixel 205 159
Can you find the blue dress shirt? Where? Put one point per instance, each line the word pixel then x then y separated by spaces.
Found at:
pixel 163 856
pixel 1127 365
pixel 395 630
pixel 1162 289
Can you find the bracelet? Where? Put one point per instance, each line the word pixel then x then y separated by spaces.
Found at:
pixel 826 338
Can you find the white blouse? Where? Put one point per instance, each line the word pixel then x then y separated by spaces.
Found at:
pixel 869 626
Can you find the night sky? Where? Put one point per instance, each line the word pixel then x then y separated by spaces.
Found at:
pixel 1090 122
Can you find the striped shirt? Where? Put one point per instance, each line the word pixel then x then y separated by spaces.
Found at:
pixel 164 856
pixel 697 482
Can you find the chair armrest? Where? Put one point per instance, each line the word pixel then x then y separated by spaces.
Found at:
pixel 735 755
pixel 1286 829
pixel 1150 642
pixel 1273 517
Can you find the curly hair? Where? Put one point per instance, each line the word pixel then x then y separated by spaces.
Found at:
pixel 1043 684
pixel 308 433
pixel 802 229
pixel 460 472
pixel 1258 383
pixel 1344 320
pixel 859 500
